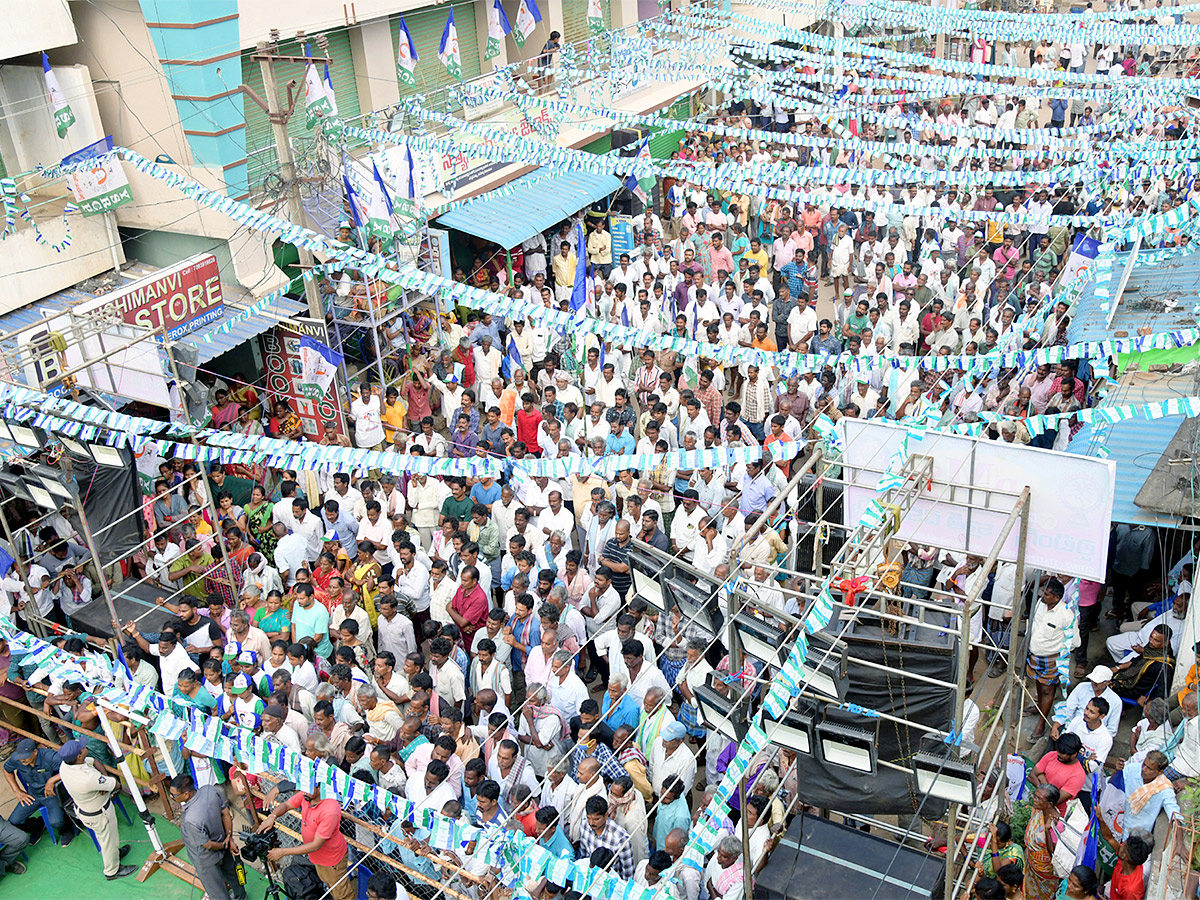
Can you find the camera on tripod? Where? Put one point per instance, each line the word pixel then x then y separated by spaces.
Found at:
pixel 255 845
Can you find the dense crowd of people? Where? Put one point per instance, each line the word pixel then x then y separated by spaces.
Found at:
pixel 475 645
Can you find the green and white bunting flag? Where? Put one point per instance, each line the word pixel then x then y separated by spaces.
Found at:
pixel 406 57
pixel 595 16
pixel 317 103
pixel 498 27
pixel 448 49
pixel 63 117
pixel 528 16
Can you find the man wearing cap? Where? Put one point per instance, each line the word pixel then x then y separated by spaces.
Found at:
pixel 92 789
pixel 670 758
pixel 321 839
pixel 207 831
pixel 32 774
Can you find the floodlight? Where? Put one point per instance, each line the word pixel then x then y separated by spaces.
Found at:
pixel 75 447
pixel 847 746
pixel 41 496
pixel 5 434
pixel 58 489
pixel 105 455
pixel 794 730
pixel 691 599
pixel 942 773
pixel 15 485
pixel 824 667
pixel 761 640
pixel 645 570
pixel 25 436
pixel 717 712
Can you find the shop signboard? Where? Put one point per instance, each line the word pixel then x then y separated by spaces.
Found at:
pixel 284 363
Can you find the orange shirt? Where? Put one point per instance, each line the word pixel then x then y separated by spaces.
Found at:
pixel 783 438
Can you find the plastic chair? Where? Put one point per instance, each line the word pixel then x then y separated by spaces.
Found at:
pixel 121 808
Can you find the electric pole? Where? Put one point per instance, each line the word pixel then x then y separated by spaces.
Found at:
pixel 267 56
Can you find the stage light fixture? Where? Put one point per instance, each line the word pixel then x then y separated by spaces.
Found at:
pixel 946 776
pixel 15 485
pixel 760 639
pixel 41 496
pixel 794 729
pixel 824 667
pixel 847 746
pixel 645 571
pixel 105 455
pixel 716 711
pixel 691 599
pixel 26 436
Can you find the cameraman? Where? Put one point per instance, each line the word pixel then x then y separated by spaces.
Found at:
pixel 207 828
pixel 320 838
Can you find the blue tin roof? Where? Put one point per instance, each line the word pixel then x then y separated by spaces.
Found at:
pixel 1137 444
pixel 532 203
pixel 1162 297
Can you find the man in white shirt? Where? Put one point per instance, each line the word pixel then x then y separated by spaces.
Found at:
pixel 1096 685
pixel 1048 628
pixel 310 526
pixel 165 552
pixel 801 322
pixel 1089 727
pixel 567 690
pixel 672 758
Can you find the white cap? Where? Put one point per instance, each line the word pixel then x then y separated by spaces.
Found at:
pixel 1100 674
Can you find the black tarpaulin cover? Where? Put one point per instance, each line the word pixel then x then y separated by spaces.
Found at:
pixel 819 859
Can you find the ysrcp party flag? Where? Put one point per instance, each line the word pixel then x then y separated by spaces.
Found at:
pixel 63 117
pixel 319 365
pixel 406 57
pixel 595 16
pixel 641 187
pixel 101 187
pixel 528 16
pixel 316 101
pixel 410 203
pixel 498 27
pixel 327 84
pixel 370 204
pixel 448 49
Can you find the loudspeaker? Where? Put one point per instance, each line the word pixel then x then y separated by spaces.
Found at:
pixel 627 140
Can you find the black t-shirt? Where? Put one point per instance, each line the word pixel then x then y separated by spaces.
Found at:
pixel 202 634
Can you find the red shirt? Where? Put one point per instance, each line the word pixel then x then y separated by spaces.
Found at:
pixel 527 430
pixel 418 402
pixel 474 608
pixel 1069 778
pixel 321 820
pixel 1127 885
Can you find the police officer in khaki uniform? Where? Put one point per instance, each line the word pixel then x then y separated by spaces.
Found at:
pixel 92 790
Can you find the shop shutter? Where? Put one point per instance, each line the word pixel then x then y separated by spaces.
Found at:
pixel 426 27
pixel 575 24
pixel 258 127
pixel 664 143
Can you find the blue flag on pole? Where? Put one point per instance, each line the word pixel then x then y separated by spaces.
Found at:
pixel 512 360
pixel 579 288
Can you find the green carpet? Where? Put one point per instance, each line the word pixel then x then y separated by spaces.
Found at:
pixel 59 873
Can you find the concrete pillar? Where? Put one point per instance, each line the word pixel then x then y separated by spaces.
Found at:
pixel 374 64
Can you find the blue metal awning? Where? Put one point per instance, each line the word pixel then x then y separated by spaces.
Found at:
pixel 1136 444
pixel 1162 297
pixel 243 330
pixel 532 203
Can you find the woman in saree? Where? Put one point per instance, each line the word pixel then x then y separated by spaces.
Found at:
pixel 1041 836
pixel 362 577
pixel 273 619
pixel 259 522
